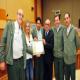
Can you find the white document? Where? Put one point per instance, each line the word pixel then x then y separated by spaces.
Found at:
pixel 38 47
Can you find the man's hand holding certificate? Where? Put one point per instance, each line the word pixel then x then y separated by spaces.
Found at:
pixel 38 47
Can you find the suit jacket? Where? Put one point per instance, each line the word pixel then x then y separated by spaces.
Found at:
pixel 48 48
pixel 34 32
pixel 7 41
pixel 71 43
pixel 58 42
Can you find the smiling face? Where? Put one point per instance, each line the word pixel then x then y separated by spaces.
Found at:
pixel 38 24
pixel 56 21
pixel 47 25
pixel 20 16
pixel 67 19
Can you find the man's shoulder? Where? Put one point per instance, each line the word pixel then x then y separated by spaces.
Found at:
pixel 9 24
pixel 73 28
pixel 34 29
pixel 52 28
pixel 62 26
pixel 51 32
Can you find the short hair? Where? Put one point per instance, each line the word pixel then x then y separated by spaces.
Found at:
pixel 38 19
pixel 57 15
pixel 47 21
pixel 68 14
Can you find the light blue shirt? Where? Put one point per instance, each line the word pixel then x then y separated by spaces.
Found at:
pixel 39 35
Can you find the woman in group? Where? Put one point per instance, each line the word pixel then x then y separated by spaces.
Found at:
pixel 29 57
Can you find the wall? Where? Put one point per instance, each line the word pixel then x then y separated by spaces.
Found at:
pixel 71 6
pixel 39 8
pixel 11 7
pixel 3 4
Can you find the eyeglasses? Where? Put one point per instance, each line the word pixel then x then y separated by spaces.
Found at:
pixel 20 14
pixel 47 24
pixel 27 26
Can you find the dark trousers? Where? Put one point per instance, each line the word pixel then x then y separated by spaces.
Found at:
pixel 29 69
pixel 59 68
pixel 69 71
pixel 38 68
pixel 48 70
pixel 16 71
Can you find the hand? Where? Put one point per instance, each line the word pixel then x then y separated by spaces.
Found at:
pixel 38 55
pixel 44 42
pixel 2 66
pixel 35 39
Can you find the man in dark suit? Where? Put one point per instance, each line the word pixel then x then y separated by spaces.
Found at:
pixel 48 41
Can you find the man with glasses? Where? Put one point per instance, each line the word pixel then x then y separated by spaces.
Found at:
pixel 14 43
pixel 48 41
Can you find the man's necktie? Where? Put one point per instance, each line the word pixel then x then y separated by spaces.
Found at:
pixel 46 34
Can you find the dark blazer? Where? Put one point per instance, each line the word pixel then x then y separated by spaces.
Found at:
pixel 48 48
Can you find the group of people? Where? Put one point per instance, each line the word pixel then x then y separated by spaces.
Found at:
pixel 60 47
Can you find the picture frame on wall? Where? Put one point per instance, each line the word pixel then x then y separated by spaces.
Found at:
pixel 57 12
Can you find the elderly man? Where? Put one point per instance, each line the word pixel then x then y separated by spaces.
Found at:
pixel 48 41
pixel 14 43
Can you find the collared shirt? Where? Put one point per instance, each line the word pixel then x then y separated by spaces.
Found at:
pixel 58 41
pixel 29 44
pixel 58 28
pixel 17 42
pixel 68 29
pixel 39 35
pixel 46 33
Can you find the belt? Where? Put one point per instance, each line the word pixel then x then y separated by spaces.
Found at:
pixel 18 59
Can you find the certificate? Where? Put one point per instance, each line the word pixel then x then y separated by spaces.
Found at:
pixel 38 47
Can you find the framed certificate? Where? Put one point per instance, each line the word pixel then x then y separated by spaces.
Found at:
pixel 38 47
